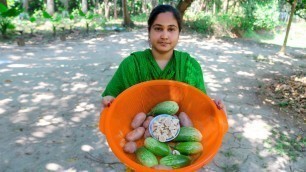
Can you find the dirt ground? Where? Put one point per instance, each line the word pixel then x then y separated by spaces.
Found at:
pixel 50 102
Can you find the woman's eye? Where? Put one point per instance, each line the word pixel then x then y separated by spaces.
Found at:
pixel 171 29
pixel 158 29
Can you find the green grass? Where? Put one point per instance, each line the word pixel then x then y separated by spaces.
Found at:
pixel 296 37
pixel 283 144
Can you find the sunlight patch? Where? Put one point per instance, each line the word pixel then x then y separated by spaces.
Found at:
pixel 75 119
pixel 49 119
pixel 79 76
pixel 38 134
pixel 18 65
pixel 5 101
pixel 53 167
pixel 2 111
pixel 227 80
pixel 78 86
pixel 41 85
pixel 245 73
pixel 87 148
pixel 256 130
pixel 5 70
pixel 40 97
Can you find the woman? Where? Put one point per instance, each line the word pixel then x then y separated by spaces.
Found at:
pixel 159 62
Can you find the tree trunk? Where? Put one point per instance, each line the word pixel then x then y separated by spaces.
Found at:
pixel 95 3
pixel 225 6
pixel 66 4
pixel 203 6
pixel 172 3
pixel 84 6
pixel 25 5
pixel 154 3
pixel 115 9
pixel 214 8
pixel 127 22
pixel 50 7
pixel 283 49
pixel 234 6
pixel 144 6
pixel 133 7
pixel 3 2
pixel 106 9
pixel 183 5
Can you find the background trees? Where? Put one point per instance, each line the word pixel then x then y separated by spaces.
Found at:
pixel 235 18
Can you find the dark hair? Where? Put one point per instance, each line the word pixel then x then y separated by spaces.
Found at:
pixel 162 9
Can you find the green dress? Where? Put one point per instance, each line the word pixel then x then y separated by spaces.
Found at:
pixel 141 66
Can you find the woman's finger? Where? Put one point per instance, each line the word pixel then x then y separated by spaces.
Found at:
pixel 107 100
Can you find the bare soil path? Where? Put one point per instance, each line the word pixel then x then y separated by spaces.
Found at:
pixel 50 97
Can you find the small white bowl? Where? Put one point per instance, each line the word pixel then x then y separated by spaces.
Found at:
pixel 175 122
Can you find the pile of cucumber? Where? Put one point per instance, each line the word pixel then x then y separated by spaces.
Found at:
pixel 175 156
pixel 164 155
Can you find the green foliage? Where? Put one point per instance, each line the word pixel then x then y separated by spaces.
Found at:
pixel 300 8
pixel 225 20
pixel 88 18
pixel 12 3
pixel 266 16
pixel 6 16
pixel 74 5
pixel 140 17
pixel 37 5
pixel 301 13
pixel 285 145
pixel 55 20
pixel 228 22
pixel 201 23
pixel 38 15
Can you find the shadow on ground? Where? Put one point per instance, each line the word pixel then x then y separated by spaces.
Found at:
pixel 50 99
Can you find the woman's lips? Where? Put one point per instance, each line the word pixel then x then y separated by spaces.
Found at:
pixel 164 43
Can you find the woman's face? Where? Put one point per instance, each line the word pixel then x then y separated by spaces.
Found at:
pixel 164 33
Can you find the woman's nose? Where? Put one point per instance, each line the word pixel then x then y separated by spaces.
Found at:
pixel 164 35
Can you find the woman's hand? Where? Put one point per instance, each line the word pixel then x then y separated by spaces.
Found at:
pixel 106 101
pixel 220 105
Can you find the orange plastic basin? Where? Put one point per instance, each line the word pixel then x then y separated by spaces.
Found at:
pixel 115 121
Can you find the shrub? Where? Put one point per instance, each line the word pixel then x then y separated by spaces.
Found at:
pixel 201 23
pixel 6 16
pixel 266 16
pixel 140 18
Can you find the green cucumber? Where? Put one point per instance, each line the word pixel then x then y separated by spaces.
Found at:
pixel 145 157
pixel 188 134
pixel 175 161
pixel 166 107
pixel 189 148
pixel 156 147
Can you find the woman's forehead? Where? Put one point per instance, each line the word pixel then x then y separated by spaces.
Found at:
pixel 165 19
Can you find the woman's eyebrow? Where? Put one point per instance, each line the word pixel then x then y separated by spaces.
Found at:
pixel 172 25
